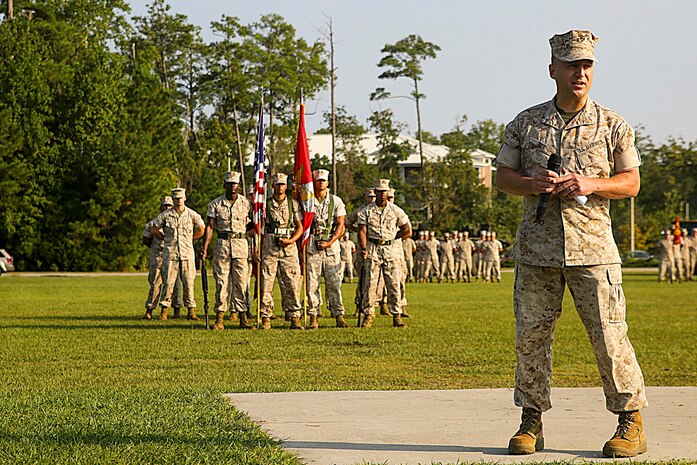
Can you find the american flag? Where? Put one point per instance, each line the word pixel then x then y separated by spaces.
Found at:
pixel 261 164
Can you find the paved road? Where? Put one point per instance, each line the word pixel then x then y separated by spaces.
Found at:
pixel 410 427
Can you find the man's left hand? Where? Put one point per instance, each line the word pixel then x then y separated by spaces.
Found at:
pixel 572 185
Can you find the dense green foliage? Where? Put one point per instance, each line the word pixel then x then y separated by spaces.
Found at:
pixel 84 380
pixel 101 113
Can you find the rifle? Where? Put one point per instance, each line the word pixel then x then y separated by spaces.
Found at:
pixel 361 289
pixel 204 283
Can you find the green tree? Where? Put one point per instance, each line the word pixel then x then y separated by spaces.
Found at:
pixel 405 59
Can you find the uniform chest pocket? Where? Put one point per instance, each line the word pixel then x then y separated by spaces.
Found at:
pixel 537 155
pixel 593 162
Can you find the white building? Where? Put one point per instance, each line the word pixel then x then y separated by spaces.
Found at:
pixel 410 169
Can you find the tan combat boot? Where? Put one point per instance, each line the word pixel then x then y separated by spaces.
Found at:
pixel 313 323
pixel 177 313
pixel 340 322
pixel 265 322
pixel 529 437
pixel 219 321
pixel 163 313
pixel 295 323
pixel 397 322
pixel 244 321
pixel 629 439
pixel 384 309
pixel 233 316
pixel 367 321
pixel 405 314
pixel 148 314
pixel 192 314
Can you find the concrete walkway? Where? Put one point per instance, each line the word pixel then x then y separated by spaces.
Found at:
pixel 411 427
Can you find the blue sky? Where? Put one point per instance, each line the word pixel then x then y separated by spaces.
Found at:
pixel 495 53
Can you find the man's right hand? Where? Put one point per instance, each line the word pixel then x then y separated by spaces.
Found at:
pixel 364 253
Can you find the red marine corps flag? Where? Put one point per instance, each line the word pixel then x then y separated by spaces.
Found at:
pixel 302 178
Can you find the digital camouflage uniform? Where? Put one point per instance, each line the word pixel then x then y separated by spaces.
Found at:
pixel 432 264
pixel 347 250
pixel 447 259
pixel 692 245
pixel 327 262
pixel 478 259
pixel 281 261
pixel 573 246
pixel 687 270
pixel 666 260
pixel 155 272
pixel 409 247
pixel 464 266
pixel 178 255
pixel 492 260
pixel 352 221
pixel 384 254
pixel 419 259
pixel 230 258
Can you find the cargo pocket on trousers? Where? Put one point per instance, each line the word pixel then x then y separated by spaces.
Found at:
pixel 617 303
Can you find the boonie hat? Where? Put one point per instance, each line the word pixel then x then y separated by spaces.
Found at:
pixel 573 46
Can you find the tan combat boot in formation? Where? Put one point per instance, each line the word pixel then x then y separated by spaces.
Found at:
pixel 313 323
pixel 163 313
pixel 192 314
pixel 384 309
pixel 265 322
pixel 367 321
pixel 397 322
pixel 244 321
pixel 529 437
pixel 177 313
pixel 629 439
pixel 233 316
pixel 219 321
pixel 295 323
pixel 148 314
pixel 340 322
pixel 405 314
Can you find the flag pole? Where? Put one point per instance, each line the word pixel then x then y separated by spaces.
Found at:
pixel 304 286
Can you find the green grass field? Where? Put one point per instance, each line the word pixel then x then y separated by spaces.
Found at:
pixel 85 380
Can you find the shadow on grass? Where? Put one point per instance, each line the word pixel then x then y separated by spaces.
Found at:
pixel 498 451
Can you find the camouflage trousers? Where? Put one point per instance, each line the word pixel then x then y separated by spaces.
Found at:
pixel 287 268
pixel 382 260
pixel 231 280
pixel 431 267
pixel 477 266
pixel 409 270
pixel 667 265
pixel 599 300
pixel 318 265
pixel 155 280
pixel 172 271
pixel 347 269
pixel 491 270
pixel 686 263
pixel 693 263
pixel 447 267
pixel 463 269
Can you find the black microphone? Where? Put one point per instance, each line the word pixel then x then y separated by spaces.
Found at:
pixel 554 164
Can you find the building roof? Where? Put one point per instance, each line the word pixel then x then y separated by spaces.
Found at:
pixel 321 144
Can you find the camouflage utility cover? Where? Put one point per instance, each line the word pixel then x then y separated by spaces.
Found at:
pixel 596 143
